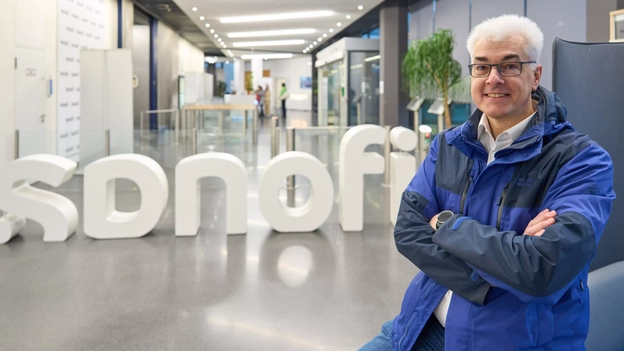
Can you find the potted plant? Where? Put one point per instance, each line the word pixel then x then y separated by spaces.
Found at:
pixel 429 70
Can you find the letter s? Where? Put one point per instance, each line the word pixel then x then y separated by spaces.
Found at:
pixel 57 215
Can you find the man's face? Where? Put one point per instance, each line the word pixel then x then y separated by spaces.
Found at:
pixel 507 99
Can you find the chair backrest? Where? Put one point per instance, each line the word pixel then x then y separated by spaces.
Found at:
pixel 589 79
pixel 606 326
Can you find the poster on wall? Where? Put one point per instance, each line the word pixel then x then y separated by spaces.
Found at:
pixel 80 26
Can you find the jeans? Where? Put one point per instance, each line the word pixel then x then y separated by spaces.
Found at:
pixel 431 338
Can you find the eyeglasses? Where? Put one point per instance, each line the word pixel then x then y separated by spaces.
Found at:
pixel 505 69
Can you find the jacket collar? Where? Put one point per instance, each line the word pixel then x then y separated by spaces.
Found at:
pixel 549 120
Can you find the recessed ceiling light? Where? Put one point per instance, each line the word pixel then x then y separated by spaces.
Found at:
pixel 194 8
pixel 348 16
pixel 216 35
pixel 339 24
pixel 201 18
pixel 219 40
pixel 268 43
pixel 320 39
pixel 225 46
pixel 304 51
pixel 360 7
pixel 207 25
pixel 314 43
pixel 324 35
pixel 277 16
pixel 266 56
pixel 268 33
pixel 212 31
pixel 331 30
pixel 310 46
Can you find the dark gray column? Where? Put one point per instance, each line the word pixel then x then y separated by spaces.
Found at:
pixel 393 45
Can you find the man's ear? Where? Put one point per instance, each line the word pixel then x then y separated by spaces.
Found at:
pixel 537 76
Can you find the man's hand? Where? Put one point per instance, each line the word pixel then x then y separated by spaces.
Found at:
pixel 433 221
pixel 542 221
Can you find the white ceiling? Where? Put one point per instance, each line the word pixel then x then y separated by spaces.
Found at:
pixel 214 10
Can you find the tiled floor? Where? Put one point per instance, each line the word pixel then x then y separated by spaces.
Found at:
pixel 325 290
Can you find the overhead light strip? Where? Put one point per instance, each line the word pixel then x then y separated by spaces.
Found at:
pixel 268 43
pixel 266 56
pixel 372 58
pixel 277 16
pixel 268 33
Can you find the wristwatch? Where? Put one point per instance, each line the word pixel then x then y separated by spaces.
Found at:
pixel 443 217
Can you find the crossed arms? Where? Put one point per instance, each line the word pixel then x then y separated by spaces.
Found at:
pixel 468 257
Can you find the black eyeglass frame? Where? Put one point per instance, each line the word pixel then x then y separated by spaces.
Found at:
pixel 497 65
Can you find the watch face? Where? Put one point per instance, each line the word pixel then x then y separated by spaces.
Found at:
pixel 444 215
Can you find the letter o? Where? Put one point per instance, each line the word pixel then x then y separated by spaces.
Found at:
pixel 314 212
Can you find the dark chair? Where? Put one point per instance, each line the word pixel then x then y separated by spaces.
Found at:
pixel 589 79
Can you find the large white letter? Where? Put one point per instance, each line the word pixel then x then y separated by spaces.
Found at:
pixel 402 166
pixel 314 212
pixel 187 198
pixel 354 163
pixel 101 220
pixel 57 215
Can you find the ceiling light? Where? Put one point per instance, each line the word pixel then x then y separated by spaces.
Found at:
pixel 304 51
pixel 207 25
pixel 315 43
pixel 277 16
pixel 266 56
pixel 212 31
pixel 201 18
pixel 216 35
pixel 319 39
pixel 268 43
pixel 219 40
pixel 324 35
pixel 348 16
pixel 331 30
pixel 360 7
pixel 339 24
pixel 268 33
pixel 194 8
pixel 227 62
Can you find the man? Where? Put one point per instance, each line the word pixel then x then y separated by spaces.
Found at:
pixel 282 96
pixel 504 214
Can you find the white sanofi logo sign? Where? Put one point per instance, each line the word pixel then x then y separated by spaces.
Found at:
pixel 59 216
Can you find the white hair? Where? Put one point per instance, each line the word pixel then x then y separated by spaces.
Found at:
pixel 500 28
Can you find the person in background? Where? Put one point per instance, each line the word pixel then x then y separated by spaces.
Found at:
pixel 260 98
pixel 504 215
pixel 283 95
pixel 267 100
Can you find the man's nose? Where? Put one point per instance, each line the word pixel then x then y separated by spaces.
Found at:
pixel 494 77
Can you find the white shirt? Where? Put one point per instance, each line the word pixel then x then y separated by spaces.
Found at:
pixel 492 146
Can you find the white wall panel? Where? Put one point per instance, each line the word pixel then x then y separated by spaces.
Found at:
pixel 81 25
pixel 30 24
pixel 7 83
pixel 106 97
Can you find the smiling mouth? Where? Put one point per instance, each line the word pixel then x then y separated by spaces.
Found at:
pixel 496 95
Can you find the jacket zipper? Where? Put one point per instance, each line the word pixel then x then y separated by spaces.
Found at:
pixel 501 200
pixel 465 193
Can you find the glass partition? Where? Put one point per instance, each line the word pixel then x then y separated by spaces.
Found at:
pixel 363 88
pixel 330 106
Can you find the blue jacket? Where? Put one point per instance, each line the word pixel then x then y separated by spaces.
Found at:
pixel 511 291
